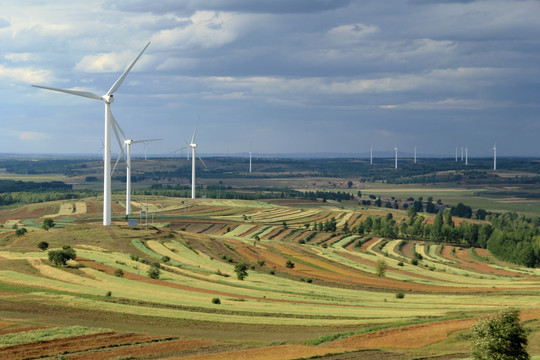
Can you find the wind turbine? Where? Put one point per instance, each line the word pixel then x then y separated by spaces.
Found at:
pixel 371 155
pixel 462 153
pixel 415 154
pixel 127 146
pixel 250 157
pixel 395 149
pixel 494 156
pixel 466 156
pixel 456 153
pixel 110 122
pixel 192 145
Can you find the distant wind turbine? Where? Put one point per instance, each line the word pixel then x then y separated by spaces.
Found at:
pixel 192 145
pixel 466 156
pixel 456 153
pixel 110 122
pixel 494 156
pixel 462 153
pixel 395 149
pixel 371 155
pixel 415 154
pixel 250 157
pixel 127 146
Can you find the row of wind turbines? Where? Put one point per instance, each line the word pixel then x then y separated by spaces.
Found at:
pixel 112 124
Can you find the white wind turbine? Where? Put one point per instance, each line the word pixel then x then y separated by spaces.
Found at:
pixel 250 157
pixel 192 145
pixel 127 146
pixel 395 150
pixel 494 156
pixel 371 155
pixel 110 122
pixel 415 154
pixel 466 156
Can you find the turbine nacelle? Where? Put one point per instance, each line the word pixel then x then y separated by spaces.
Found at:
pixel 108 99
pixel 193 145
pixel 128 142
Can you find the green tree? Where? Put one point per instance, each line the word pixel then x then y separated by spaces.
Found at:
pixel 241 271
pixel 380 267
pixel 500 337
pixel 61 257
pixel 289 264
pixel 47 224
pixel 153 272
pixel 21 231
pixel 43 245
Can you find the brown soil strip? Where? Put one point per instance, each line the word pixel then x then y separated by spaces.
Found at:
pixel 71 344
pixel 163 348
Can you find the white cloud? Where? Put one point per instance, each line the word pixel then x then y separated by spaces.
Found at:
pixel 206 29
pixel 25 74
pixel 18 57
pixel 29 135
pixel 350 34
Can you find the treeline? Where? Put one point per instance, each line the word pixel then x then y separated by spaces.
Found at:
pixel 324 195
pixel 510 237
pixel 16 186
pixel 39 197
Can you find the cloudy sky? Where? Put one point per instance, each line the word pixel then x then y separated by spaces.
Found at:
pixel 288 76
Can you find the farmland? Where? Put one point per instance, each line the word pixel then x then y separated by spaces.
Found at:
pixel 330 303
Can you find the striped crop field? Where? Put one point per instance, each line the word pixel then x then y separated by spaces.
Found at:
pixel 306 293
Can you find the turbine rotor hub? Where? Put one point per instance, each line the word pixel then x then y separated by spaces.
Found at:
pixel 109 99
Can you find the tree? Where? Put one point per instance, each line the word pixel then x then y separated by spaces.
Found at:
pixel 21 231
pixel 153 272
pixel 241 271
pixel 47 224
pixel 349 184
pixel 43 245
pixel 500 337
pixel 380 267
pixel 289 264
pixel 61 257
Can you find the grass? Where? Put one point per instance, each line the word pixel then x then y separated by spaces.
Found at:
pixel 46 334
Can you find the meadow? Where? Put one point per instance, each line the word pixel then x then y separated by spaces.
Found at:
pixel 331 304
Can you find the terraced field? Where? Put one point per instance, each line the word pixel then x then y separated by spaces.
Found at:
pixel 330 302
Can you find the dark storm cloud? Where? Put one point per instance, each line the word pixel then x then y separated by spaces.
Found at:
pixel 242 6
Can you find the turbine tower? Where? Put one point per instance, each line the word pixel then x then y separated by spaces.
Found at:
pixel 494 156
pixel 250 157
pixel 415 154
pixel 456 153
pixel 192 145
pixel 127 146
pixel 110 122
pixel 371 155
pixel 462 154
pixel 466 156
pixel 395 150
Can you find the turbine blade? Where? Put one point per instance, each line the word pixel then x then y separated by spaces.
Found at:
pixel 198 157
pixel 143 141
pixel 118 126
pixel 120 145
pixel 85 94
pixel 194 132
pixel 180 149
pixel 120 80
pixel 115 164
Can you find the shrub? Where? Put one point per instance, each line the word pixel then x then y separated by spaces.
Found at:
pixel 414 261
pixel 134 257
pixel 289 264
pixel 119 273
pixel 43 245
pixel 260 262
pixel 216 301
pixel 400 295
pixel 401 263
pixel 241 271
pixel 21 231
pixel 108 294
pixel 165 259
pixel 153 272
